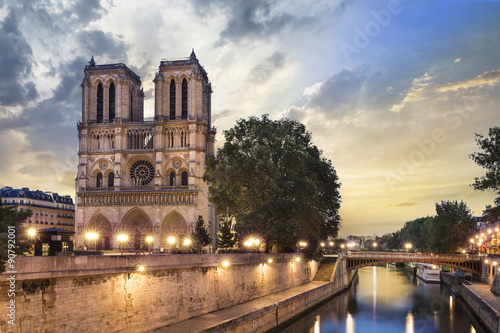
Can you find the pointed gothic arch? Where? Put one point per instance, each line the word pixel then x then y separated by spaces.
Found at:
pixel 137 225
pixel 100 225
pixel 173 224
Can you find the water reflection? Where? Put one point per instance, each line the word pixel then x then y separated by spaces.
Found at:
pixel 384 299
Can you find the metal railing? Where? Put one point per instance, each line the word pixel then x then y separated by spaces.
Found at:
pixel 405 255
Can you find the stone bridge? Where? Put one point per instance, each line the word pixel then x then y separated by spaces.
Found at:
pixel 464 262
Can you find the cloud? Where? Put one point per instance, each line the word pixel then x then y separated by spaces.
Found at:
pixel 488 78
pixel 263 72
pixel 104 45
pixel 415 93
pixel 403 204
pixel 16 60
pixel 223 114
pixel 251 20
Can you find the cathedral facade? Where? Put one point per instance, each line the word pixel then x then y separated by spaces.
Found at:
pixel 143 178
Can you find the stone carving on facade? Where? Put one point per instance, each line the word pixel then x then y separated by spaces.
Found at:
pixel 125 156
pixel 192 172
pixel 158 174
pixel 167 157
pixel 91 159
pixel 112 158
pixel 186 157
pixel 176 163
pixel 103 165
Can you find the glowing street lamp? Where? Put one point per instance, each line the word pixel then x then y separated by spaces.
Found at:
pixel 408 246
pixel 122 238
pixel 187 242
pixel 149 240
pixel 374 244
pixel 92 236
pixel 32 234
pixel 331 243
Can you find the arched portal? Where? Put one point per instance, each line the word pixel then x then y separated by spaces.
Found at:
pixel 101 226
pixel 173 225
pixel 137 225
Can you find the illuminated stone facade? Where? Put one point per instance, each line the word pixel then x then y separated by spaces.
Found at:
pixel 143 177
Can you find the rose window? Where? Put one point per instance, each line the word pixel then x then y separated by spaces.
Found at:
pixel 142 173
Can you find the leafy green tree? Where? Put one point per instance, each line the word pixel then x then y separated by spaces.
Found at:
pixel 11 217
pixel 452 224
pixel 273 180
pixel 200 235
pixel 489 159
pixel 226 238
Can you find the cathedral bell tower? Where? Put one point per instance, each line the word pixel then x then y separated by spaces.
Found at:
pixel 143 178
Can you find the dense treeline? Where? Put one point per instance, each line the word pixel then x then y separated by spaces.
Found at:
pixel 446 232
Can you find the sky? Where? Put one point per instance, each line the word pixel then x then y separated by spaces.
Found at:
pixel 392 91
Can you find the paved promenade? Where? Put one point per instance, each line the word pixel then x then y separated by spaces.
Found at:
pixel 211 320
pixel 483 290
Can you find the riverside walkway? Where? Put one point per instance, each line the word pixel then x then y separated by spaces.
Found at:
pixel 217 321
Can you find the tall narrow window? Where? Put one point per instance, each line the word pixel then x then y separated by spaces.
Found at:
pixel 184 178
pixel 100 103
pixel 172 99
pixel 98 180
pixel 172 178
pixel 184 99
pixel 131 106
pixel 111 102
pixel 111 180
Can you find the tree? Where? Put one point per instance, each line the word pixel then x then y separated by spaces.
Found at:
pixel 226 238
pixel 200 235
pixel 274 181
pixel 489 159
pixel 11 217
pixel 452 224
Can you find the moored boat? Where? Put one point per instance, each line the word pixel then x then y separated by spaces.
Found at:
pixel 429 273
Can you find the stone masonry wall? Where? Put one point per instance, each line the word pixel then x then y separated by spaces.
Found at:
pixel 105 294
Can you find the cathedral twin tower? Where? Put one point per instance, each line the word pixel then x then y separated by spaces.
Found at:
pixel 143 178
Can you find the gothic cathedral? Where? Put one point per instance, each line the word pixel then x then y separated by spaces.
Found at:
pixel 137 177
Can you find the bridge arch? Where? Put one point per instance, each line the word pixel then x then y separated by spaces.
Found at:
pixel 467 263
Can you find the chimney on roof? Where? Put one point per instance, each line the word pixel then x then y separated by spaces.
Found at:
pixel 26 189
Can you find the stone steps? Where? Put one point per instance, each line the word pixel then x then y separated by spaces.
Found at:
pixel 326 267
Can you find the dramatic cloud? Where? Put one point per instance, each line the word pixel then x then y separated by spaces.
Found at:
pixel 16 63
pixel 397 117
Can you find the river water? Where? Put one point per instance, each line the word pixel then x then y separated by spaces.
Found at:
pixel 386 299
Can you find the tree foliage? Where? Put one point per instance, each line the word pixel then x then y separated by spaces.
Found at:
pixel 446 232
pixel 452 224
pixel 10 216
pixel 489 159
pixel 226 238
pixel 274 181
pixel 200 235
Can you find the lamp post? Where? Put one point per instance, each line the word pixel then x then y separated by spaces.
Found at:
pixel 92 236
pixel 122 238
pixel 32 234
pixel 302 245
pixel 171 242
pixel 374 245
pixel 149 240
pixel 408 247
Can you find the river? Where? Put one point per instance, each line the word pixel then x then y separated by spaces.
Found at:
pixel 386 299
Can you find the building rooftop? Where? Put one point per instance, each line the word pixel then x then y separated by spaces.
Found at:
pixel 92 66
pixel 25 192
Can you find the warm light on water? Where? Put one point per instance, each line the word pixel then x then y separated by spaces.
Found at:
pixel 385 299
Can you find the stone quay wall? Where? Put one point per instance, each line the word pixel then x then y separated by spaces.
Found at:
pixel 285 310
pixel 108 294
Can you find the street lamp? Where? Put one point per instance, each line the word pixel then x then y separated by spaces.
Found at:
pixel 149 240
pixel 171 242
pixel 408 247
pixel 122 238
pixel 92 236
pixel 374 244
pixel 302 245
pixel 32 234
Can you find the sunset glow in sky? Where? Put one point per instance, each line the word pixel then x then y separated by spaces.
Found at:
pixel 392 91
